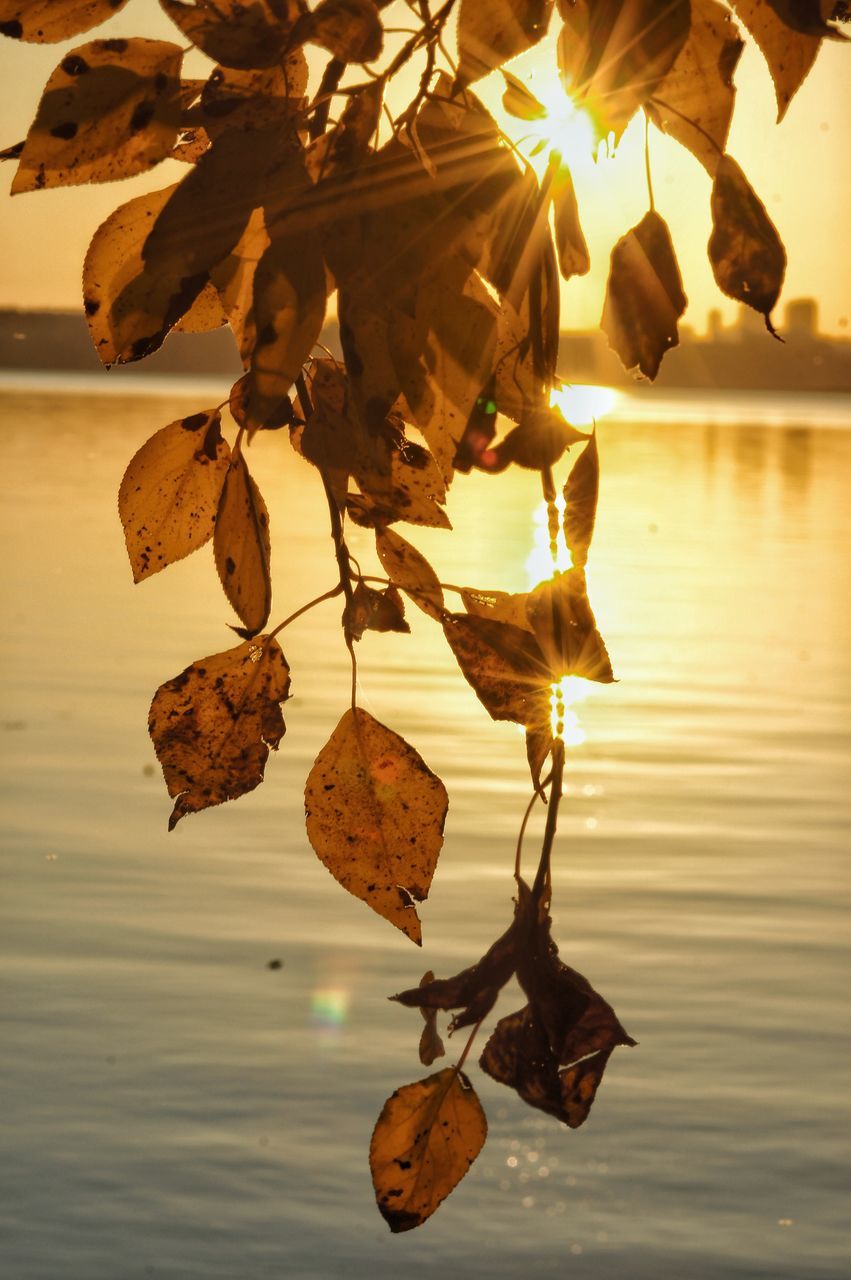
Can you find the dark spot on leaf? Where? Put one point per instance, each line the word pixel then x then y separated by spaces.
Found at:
pixel 91 306
pixel 142 115
pixel 230 565
pixel 194 421
pixel 12 28
pixel 66 131
pixel 74 65
pixel 115 45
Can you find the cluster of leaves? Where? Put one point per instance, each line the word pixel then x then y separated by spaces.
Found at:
pixel 444 252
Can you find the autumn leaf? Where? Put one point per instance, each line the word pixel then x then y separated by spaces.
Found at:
pixel 573 256
pixel 242 546
pixel 426 1138
pixel 205 314
pixel 519 101
pixel 233 278
pixel 170 492
pixel 375 815
pixel 212 726
pixel 232 32
pixel 431 1045
pixel 581 491
pixel 371 610
pixel 788 44
pixel 348 143
pixel 566 630
pixel 47 21
pixel 538 440
pixel 644 296
pixel 490 34
pixel 500 606
pixel 694 101
pixel 109 110
pixel 409 569
pixel 746 253
pixel 263 97
pixel 351 30
pixel 504 665
pixel 613 54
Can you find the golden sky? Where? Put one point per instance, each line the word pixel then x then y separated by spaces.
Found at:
pixel 800 169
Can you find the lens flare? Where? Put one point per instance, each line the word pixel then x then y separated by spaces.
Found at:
pixel 583 406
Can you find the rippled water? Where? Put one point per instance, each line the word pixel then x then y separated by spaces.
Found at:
pixel 173 1107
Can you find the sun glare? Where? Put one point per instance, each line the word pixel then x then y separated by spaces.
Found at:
pixel 566 129
pixel 583 406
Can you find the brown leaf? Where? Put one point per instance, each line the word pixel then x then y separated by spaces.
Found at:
pixel 410 570
pixel 242 547
pixel 205 314
pixel 644 296
pixel 566 630
pixel 539 440
pixel 747 255
pixel 500 606
pixel 372 610
pixel 539 744
pixel 170 492
pixel 264 97
pixel 351 30
pixel 111 109
pixel 233 277
pixel 375 815
pixel 573 256
pixel 490 34
pixel 694 102
pixel 504 665
pixel 788 44
pixel 581 491
pixel 46 21
pixel 212 726
pixel 426 1138
pixel 348 143
pixel 613 54
pixel 233 32
pixel 431 1045
pixel 519 101
pixel 240 392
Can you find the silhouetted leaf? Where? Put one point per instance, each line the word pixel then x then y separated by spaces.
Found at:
pixel 539 440
pixel 212 726
pixel 566 630
pixel 519 101
pixel 46 21
pixel 348 143
pixel 170 492
pixel 431 1045
pixel 694 102
pixel 747 255
pixel 613 54
pixel 375 815
pixel 499 606
pixel 263 97
pixel 490 34
pixel 426 1138
pixel 351 30
pixel 580 502
pixel 109 110
pixel 644 296
pixel 233 32
pixel 573 256
pixel 372 610
pixel 544 1050
pixel 504 665
pixel 539 744
pixel 284 416
pixel 790 53
pixel 233 277
pixel 410 570
pixel 242 547
pixel 197 228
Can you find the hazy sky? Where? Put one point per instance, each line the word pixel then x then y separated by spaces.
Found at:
pixel 799 168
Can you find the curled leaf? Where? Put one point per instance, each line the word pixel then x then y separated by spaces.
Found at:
pixel 581 491
pixel 431 1045
pixel 170 492
pixel 426 1138
pixel 375 815
pixel 746 253
pixel 573 256
pixel 644 296
pixel 371 610
pixel 212 726
pixel 242 547
pixel 46 21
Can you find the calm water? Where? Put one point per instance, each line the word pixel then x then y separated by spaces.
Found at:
pixel 174 1108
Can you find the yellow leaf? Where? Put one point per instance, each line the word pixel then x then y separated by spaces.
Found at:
pixel 242 546
pixel 111 109
pixel 170 492
pixel 426 1138
pixel 375 815
pixel 233 32
pixel 490 34
pixel 410 570
pixel 212 726
pixel 45 21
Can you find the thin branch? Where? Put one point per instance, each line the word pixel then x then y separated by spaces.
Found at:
pixel 311 604
pixel 542 878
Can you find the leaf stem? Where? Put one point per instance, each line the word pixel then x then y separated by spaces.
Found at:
pixel 526 816
pixel 542 878
pixel 647 163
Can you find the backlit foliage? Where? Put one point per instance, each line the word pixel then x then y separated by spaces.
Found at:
pixel 442 250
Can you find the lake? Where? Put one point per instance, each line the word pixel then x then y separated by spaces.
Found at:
pixel 175 1108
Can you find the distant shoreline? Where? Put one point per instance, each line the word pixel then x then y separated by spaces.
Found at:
pixel 739 358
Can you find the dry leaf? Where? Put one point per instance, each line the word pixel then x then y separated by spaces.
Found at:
pixel 46 21
pixel 504 665
pixel 242 547
pixel 746 253
pixel 371 610
pixel 581 491
pixel 375 815
pixel 566 630
pixel 170 492
pixel 212 726
pixel 573 256
pixel 426 1138
pixel 431 1045
pixel 410 570
pixel 232 32
pixel 490 34
pixel 351 30
pixel 644 296
pixel 789 53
